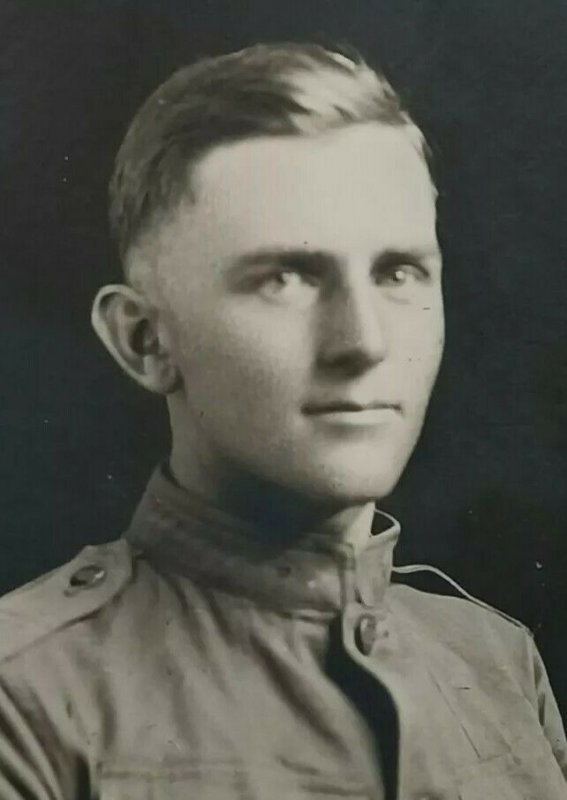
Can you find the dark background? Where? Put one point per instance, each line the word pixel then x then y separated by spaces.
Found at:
pixel 485 495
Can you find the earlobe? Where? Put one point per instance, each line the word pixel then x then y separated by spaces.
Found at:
pixel 126 324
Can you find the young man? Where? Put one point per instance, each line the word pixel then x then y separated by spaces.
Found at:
pixel 276 220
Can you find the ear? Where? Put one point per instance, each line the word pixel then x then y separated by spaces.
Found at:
pixel 128 327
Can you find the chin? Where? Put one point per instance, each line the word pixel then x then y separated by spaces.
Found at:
pixel 338 477
pixel 355 487
pixel 363 474
pixel 358 493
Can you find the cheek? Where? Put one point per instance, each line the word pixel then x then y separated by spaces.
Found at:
pixel 420 353
pixel 427 357
pixel 237 358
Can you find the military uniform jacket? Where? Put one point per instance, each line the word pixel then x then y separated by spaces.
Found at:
pixel 191 660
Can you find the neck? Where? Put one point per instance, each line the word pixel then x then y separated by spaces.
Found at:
pixel 287 515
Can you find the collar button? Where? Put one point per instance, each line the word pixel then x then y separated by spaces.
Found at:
pixel 366 633
pixel 86 577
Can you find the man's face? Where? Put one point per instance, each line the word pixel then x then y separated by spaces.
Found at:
pixel 303 296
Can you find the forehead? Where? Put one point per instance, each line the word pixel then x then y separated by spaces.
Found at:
pixel 362 187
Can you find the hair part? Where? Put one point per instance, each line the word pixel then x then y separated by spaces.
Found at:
pixel 282 89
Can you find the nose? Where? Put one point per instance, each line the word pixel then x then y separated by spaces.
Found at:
pixel 352 334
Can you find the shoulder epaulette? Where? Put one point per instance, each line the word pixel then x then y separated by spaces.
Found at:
pixel 413 568
pixel 68 593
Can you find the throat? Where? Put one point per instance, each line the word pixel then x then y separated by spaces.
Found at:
pixel 279 516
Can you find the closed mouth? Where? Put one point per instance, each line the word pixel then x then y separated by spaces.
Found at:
pixel 338 407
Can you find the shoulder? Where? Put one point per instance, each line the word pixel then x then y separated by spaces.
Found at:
pixel 460 620
pixel 80 589
pixel 458 630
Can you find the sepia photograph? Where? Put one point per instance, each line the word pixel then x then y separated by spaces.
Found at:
pixel 283 418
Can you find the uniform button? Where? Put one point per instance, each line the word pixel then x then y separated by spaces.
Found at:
pixel 86 577
pixel 366 634
pixel 370 628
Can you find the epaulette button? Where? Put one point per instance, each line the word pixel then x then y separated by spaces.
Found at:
pixel 86 577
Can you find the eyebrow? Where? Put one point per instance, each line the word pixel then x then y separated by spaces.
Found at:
pixel 290 258
pixel 319 260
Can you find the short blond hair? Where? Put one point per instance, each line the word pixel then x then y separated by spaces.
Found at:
pixel 269 89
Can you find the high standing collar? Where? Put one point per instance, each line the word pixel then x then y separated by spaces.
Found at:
pixel 181 532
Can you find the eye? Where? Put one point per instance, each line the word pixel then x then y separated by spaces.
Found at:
pixel 288 287
pixel 284 278
pixel 400 276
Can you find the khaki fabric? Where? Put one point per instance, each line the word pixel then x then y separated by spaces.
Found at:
pixel 195 659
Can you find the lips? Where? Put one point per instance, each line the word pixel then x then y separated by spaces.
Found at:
pixel 348 416
pixel 347 406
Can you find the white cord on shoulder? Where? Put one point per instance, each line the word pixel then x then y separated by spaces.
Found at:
pixel 412 568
